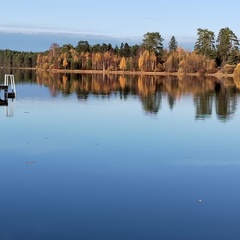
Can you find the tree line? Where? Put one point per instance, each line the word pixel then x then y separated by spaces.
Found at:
pixel 18 59
pixel 208 56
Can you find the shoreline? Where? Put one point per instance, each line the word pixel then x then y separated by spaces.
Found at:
pixel 120 72
pixel 217 74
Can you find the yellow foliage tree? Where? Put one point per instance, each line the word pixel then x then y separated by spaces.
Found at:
pixel 65 62
pixel 193 63
pixel 141 62
pixel 123 64
pixel 236 76
pixel 237 71
pixel 144 61
pixel 98 59
pixel 116 62
pixel 174 58
pixel 106 60
pixel 153 59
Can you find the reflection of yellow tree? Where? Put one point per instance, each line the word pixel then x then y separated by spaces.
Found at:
pixel 122 81
pixel 146 85
pixel 96 86
pixel 149 89
pixel 66 86
pixel 237 82
pixel 65 80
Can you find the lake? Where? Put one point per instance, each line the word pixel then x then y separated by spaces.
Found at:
pixel 120 157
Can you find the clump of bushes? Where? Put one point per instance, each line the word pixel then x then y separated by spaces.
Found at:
pixel 237 71
pixel 228 69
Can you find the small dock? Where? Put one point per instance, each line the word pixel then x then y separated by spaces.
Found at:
pixel 9 89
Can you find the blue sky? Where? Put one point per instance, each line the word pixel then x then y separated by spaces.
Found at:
pixel 122 19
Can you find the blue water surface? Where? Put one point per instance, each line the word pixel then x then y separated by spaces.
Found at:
pixel 105 169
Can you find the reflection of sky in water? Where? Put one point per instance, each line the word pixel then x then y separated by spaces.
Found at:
pixel 102 169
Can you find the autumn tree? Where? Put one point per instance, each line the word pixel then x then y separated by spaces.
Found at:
pixel 115 62
pixel 97 60
pixel 106 60
pixel 75 59
pixel 88 60
pixel 39 60
pixel 65 61
pixel 173 60
pixel 205 44
pixel 193 63
pixel 53 55
pixel 66 56
pixel 123 63
pixel 237 71
pixel 143 62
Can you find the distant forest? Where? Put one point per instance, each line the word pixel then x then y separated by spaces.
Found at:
pixel 208 56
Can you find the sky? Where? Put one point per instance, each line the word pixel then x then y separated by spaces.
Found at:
pixel 124 20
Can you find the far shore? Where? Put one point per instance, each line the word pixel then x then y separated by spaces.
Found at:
pixel 218 74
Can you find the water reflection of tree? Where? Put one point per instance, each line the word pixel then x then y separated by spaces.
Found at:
pixel 172 89
pixel 149 89
pixel 226 101
pixel 151 103
pixel 204 104
pixel 20 76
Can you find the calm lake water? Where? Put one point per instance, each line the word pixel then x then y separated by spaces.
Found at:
pixel 120 157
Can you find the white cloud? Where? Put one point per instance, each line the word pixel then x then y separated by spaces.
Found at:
pixel 37 30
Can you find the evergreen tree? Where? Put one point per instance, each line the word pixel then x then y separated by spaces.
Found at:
pixel 116 50
pixel 172 44
pixel 104 48
pixel 125 50
pixel 227 47
pixel 134 50
pixel 96 48
pixel 83 46
pixel 205 43
pixel 153 42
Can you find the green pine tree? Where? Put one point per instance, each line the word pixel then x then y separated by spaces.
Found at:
pixel 205 44
pixel 227 47
pixel 172 44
